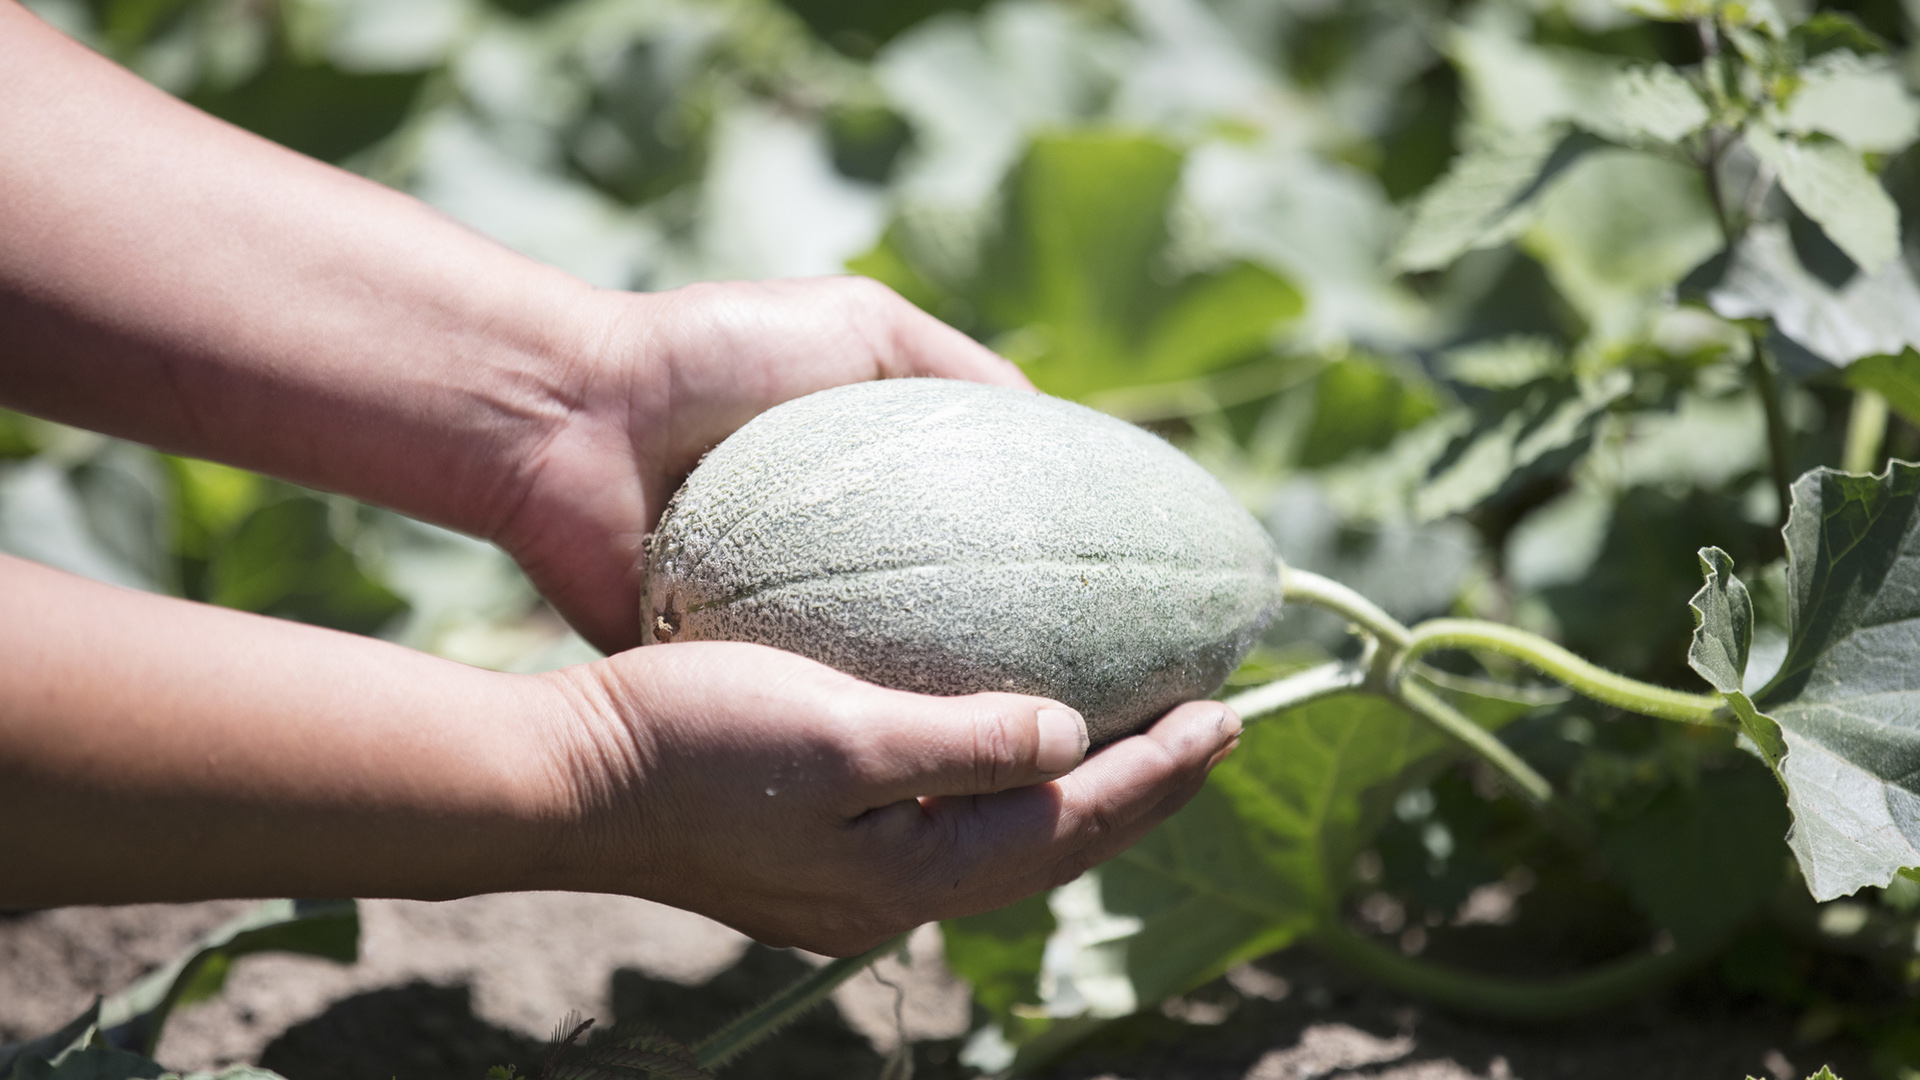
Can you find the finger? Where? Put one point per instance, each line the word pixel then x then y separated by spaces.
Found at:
pixel 923 345
pixel 992 896
pixel 915 745
pixel 1099 809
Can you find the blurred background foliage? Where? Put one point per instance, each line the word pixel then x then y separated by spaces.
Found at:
pixel 1439 287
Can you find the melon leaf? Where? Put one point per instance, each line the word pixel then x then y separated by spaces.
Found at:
pixel 1894 377
pixel 1080 278
pixel 1840 723
pixel 1259 858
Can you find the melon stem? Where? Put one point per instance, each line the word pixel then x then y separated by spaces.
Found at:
pixel 1324 680
pixel 1305 587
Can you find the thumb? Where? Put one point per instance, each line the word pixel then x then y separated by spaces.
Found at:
pixel 974 745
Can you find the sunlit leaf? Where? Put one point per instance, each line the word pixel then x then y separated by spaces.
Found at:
pixel 1895 377
pixel 1840 723
pixel 1485 197
pixel 1654 102
pixel 1075 280
pixel 1258 857
pixel 1723 623
pixel 1509 436
pixel 1618 229
pixel 1503 363
pixel 1830 183
pixel 999 954
pixel 1871 314
pixel 1515 86
pixel 1863 103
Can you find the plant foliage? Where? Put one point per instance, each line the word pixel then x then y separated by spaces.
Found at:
pixel 1499 311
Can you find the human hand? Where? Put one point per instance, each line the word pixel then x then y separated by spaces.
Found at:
pixel 674 374
pixel 805 807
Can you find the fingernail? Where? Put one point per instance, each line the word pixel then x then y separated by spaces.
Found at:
pixel 1063 740
pixel 1228 725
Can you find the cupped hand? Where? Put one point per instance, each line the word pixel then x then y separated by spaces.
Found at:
pixel 805 807
pixel 667 377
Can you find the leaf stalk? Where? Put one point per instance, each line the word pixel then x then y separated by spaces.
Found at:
pixel 1298 689
pixel 1532 999
pixel 1534 787
pixel 1578 674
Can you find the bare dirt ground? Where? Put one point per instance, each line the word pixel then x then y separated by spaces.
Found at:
pixel 443 991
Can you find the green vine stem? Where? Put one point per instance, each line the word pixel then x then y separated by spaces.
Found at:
pixel 1531 999
pixel 1306 587
pixel 786 1006
pixel 1428 704
pixel 1589 679
pixel 1764 384
pixel 1866 430
pixel 1295 690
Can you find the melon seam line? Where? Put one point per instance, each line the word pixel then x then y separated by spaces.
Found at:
pixel 1252 578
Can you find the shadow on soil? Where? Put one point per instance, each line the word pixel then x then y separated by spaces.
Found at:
pixel 427 1032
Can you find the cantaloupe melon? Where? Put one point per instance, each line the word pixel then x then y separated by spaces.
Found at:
pixel 947 537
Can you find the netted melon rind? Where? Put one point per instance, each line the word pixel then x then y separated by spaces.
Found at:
pixel 947 538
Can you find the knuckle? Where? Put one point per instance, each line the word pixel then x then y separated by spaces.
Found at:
pixel 861 752
pixel 868 291
pixel 996 752
pixel 1099 823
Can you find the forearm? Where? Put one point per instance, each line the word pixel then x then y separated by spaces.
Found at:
pixel 171 279
pixel 153 749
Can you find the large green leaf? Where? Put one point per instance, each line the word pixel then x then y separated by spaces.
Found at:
pixel 133 1018
pixel 1259 857
pixel 1871 314
pixel 1894 377
pixel 285 560
pixel 1507 438
pixel 1075 281
pixel 1619 229
pixel 1831 184
pixel 1486 197
pixel 315 108
pixel 1863 103
pixel 1840 723
pixel 114 1038
pixel 1654 102
pixel 1700 859
pixel 999 954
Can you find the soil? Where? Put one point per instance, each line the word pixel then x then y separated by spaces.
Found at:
pixel 444 991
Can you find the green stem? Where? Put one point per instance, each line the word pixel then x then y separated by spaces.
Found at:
pixel 1532 999
pixel 1866 430
pixel 1297 689
pixel 784 1007
pixel 1544 656
pixel 1421 700
pixel 1768 388
pixel 1306 587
